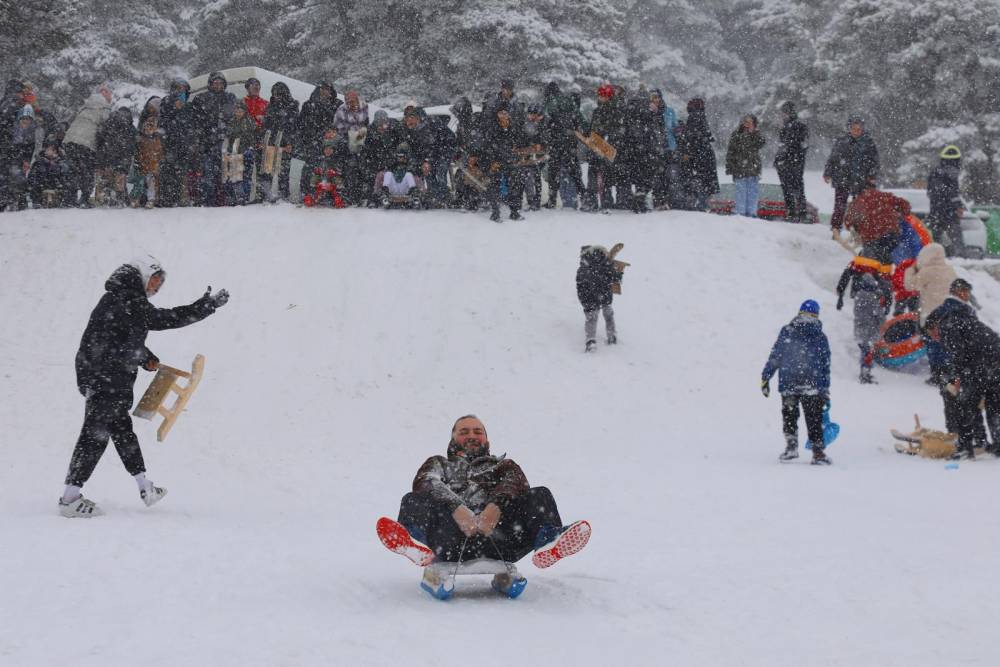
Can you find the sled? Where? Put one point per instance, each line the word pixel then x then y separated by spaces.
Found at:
pixel 830 429
pixel 439 578
pixel 232 163
pixel 924 442
pixel 165 381
pixel 476 181
pixel 598 145
pixel 901 342
pixel 616 287
pixel 530 158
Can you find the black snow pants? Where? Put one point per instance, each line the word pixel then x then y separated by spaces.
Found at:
pixel 105 417
pixel 794 190
pixel 429 521
pixel 515 188
pixel 81 160
pixel 812 406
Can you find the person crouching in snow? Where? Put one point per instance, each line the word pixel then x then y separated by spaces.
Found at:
pixel 801 357
pixel 872 294
pixel 472 504
pixel 399 185
pixel 594 278
pixel 111 351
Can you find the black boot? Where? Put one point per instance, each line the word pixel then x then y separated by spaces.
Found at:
pixel 495 216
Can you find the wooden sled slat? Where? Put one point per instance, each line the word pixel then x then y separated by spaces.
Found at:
pixel 152 402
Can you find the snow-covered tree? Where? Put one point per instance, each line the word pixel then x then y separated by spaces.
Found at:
pixel 912 69
pixel 681 47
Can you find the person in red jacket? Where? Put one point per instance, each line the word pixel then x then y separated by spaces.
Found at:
pixel 256 105
pixel 874 216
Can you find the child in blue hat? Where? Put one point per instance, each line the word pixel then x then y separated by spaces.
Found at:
pixel 801 357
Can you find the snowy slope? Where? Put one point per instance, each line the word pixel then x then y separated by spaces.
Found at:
pixel 352 341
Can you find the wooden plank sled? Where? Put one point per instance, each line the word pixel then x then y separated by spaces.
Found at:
pixel 152 402
pixel 925 442
pixel 598 145
pixel 616 287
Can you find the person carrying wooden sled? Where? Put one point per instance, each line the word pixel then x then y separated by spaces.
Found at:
pixel 111 351
pixel 801 357
pixel 472 505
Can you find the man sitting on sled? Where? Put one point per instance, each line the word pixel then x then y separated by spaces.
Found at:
pixel 473 505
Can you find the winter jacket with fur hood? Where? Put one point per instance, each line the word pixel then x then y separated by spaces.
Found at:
pixel 114 343
pixel 83 130
pixel 932 278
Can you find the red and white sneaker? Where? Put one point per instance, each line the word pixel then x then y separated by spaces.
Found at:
pixel 398 540
pixel 573 539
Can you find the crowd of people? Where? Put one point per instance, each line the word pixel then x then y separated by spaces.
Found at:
pixel 215 149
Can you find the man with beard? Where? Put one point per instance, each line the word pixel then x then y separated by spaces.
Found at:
pixel 471 504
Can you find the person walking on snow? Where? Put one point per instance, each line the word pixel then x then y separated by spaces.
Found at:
pixel 801 357
pixel 594 279
pixel 871 290
pixel 111 351
pixel 471 504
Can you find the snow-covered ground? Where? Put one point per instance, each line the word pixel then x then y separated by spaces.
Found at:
pixel 352 341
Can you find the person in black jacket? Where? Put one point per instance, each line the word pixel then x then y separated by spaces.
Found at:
pixel 607 121
pixel 315 118
pixel 852 167
pixel 563 120
pixel 790 161
pixel 944 220
pixel 379 152
pixel 115 149
pixel 640 152
pixel 972 373
pixel 594 278
pixel 112 349
pixel 211 112
pixel 177 125
pixel 502 137
pixel 50 178
pixel 697 156
pixel 281 118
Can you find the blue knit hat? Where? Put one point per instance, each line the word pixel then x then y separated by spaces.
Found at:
pixel 809 306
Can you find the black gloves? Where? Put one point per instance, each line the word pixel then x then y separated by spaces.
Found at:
pixel 765 388
pixel 840 302
pixel 218 299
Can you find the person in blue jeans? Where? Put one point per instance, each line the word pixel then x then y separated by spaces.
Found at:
pixel 743 163
pixel 801 357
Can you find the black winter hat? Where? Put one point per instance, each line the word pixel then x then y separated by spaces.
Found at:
pixel 788 108
pixel 507 83
pixel 697 104
pixel 216 76
pixel 552 89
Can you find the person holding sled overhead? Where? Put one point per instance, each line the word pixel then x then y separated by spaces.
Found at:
pixel 471 505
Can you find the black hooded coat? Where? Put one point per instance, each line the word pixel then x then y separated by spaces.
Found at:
pixel 114 343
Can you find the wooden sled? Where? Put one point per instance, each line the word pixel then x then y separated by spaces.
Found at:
pixel 616 287
pixel 924 442
pixel 598 145
pixel 152 402
pixel 474 179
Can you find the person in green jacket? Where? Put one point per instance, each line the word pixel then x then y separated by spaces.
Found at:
pixel 743 164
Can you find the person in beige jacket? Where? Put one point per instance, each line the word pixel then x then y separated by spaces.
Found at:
pixel 931 276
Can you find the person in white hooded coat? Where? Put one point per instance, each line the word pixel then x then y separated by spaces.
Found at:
pixel 80 144
pixel 931 276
